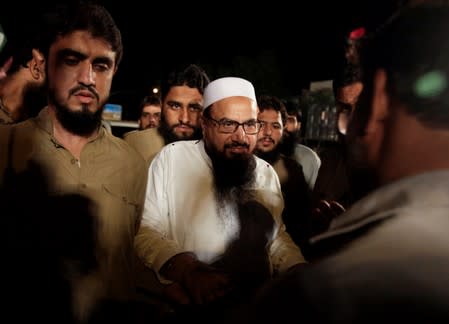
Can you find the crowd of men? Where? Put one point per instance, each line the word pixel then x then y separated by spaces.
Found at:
pixel 212 210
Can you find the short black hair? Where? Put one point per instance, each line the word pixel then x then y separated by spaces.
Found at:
pixel 150 100
pixel 65 18
pixel 294 109
pixel 265 102
pixel 192 76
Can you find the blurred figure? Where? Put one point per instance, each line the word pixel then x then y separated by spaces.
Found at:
pixel 22 87
pixel 297 195
pixel 5 68
pixel 347 89
pixel 391 249
pixel 39 283
pixel 182 104
pixel 150 112
pixel 214 226
pixel 352 46
pixel 80 156
pixel 291 146
pixel 294 120
pixel 7 64
pixel 341 181
pixel 335 181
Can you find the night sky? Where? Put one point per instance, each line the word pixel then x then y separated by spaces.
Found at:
pixel 280 47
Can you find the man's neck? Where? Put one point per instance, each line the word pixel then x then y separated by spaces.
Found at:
pixel 11 97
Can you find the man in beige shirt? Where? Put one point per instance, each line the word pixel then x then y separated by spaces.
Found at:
pixel 80 157
pixel 22 87
pixel 182 104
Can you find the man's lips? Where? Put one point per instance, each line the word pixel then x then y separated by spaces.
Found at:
pixel 238 149
pixel 266 141
pixel 183 127
pixel 85 96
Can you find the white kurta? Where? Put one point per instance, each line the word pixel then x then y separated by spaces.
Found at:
pixel 181 214
pixel 310 162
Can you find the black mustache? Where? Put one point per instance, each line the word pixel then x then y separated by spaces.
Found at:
pixel 181 124
pixel 88 88
pixel 237 145
pixel 266 138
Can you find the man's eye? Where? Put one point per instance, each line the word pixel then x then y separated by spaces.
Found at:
pixel 101 67
pixel 71 61
pixel 228 123
pixel 175 106
pixel 196 108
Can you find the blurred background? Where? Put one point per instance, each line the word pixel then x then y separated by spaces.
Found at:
pixel 280 47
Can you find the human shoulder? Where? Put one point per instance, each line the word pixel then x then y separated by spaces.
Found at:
pixel 146 142
pixel 179 148
pixel 122 148
pixel 306 152
pixel 265 169
pixel 136 136
pixel 19 130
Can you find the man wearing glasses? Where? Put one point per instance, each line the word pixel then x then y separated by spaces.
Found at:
pixel 212 217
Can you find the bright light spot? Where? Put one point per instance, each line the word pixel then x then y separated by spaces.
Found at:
pixel 431 84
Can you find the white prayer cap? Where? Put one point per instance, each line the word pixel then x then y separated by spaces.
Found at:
pixel 228 87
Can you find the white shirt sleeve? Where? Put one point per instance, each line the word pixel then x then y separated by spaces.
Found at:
pixel 152 243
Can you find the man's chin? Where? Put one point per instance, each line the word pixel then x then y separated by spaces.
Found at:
pixel 183 135
pixel 266 148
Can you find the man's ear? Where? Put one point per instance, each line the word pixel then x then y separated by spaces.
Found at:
pixel 37 65
pixel 380 101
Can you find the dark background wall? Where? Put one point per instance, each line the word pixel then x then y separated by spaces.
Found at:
pixel 280 47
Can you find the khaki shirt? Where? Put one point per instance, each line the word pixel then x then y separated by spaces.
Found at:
pixel 112 175
pixel 147 142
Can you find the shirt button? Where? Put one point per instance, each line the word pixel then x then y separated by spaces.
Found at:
pixel 73 161
pixel 83 185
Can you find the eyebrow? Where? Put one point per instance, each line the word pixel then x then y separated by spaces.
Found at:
pixel 71 52
pixel 65 52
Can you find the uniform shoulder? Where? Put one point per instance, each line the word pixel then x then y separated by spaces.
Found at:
pixel 137 135
pixel 307 152
pixel 306 149
pixel 146 142
pixel 121 146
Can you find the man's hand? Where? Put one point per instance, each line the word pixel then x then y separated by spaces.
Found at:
pixel 202 282
pixel 324 213
pixel 330 209
pixel 175 293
